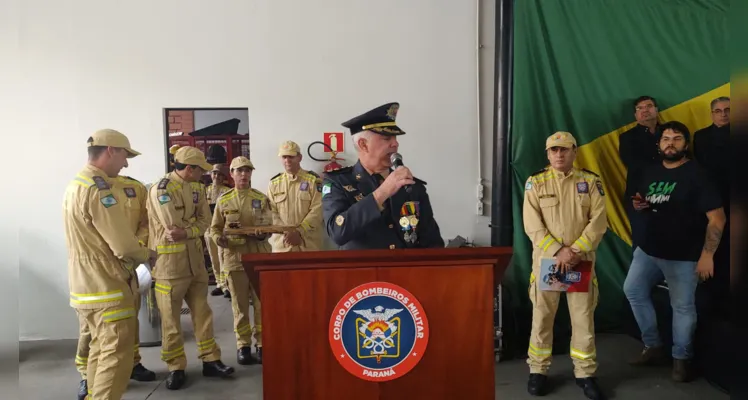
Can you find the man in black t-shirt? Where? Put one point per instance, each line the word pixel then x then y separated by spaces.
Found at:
pixel 683 220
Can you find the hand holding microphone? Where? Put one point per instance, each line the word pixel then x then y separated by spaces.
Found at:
pixel 400 177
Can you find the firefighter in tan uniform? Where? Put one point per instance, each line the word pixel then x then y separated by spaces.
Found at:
pixel 296 200
pixel 101 256
pixel 132 194
pixel 178 216
pixel 242 207
pixel 564 216
pixel 218 187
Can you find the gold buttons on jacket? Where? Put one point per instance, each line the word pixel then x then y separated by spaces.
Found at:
pixel 392 247
pixel 391 226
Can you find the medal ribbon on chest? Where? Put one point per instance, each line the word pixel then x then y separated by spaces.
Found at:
pixel 409 213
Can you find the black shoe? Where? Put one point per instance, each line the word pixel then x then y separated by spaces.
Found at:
pixel 537 385
pixel 83 390
pixel 259 354
pixel 244 356
pixel 217 369
pixel 590 387
pixel 142 374
pixel 227 294
pixel 216 292
pixel 175 380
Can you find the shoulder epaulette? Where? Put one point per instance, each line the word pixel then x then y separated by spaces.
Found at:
pixel 100 182
pixel 313 173
pixel 340 170
pixel 226 192
pixel 588 171
pixel 279 174
pixel 255 191
pixel 422 182
pixel 132 179
pixel 542 171
pixel 163 183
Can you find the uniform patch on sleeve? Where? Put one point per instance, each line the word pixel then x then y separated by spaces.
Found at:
pixel 130 192
pixel 162 184
pixel 582 187
pixel 101 184
pixel 319 187
pixel 326 189
pixel 528 185
pixel 164 198
pixel 600 188
pixel 108 201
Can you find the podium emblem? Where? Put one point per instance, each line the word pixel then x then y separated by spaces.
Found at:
pixel 378 331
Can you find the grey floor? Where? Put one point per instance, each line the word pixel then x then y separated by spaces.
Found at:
pixel 47 372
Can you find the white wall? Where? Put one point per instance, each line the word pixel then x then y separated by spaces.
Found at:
pixel 206 118
pixel 300 67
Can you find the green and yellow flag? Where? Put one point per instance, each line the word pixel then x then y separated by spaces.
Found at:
pixel 578 66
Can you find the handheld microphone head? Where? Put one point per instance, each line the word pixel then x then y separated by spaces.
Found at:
pixel 396 159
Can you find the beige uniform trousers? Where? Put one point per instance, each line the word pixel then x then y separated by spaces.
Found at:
pixel 216 258
pixel 169 296
pixel 110 360
pixel 84 343
pixel 241 289
pixel 582 311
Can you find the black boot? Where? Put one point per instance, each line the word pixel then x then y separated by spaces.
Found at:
pixel 227 294
pixel 176 379
pixel 142 374
pixel 591 389
pixel 537 385
pixel 216 292
pixel 244 356
pixel 259 354
pixel 217 369
pixel 83 390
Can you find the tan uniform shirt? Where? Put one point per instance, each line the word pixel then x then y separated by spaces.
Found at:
pixel 215 191
pixel 564 210
pixel 240 208
pixel 297 201
pixel 174 202
pixel 135 196
pixel 100 253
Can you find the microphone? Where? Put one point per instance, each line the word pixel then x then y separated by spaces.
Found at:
pixel 397 161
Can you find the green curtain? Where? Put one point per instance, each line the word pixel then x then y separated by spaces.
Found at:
pixel 578 65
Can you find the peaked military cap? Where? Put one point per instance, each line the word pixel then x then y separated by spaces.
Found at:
pixel 380 120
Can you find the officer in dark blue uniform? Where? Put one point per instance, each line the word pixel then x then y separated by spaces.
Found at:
pixel 370 205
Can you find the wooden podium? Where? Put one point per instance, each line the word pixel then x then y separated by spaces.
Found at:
pixel 301 291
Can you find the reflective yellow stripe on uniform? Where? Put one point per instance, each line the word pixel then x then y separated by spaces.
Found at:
pixel 118 315
pixel 195 231
pixel 583 243
pixel 170 248
pixel 91 298
pixel 532 278
pixel 243 330
pixel 206 344
pixel 540 352
pixel 226 197
pixel 172 354
pixel 81 361
pixel 83 181
pixel 305 226
pixel 546 242
pixel 578 354
pixel 162 288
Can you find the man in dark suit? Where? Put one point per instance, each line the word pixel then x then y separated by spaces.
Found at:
pixel 371 205
pixel 638 149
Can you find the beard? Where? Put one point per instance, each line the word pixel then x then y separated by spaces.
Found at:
pixel 677 156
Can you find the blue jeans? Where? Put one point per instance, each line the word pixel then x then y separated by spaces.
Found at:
pixel 645 272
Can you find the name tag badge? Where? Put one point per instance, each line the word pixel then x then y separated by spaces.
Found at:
pixel 582 187
pixel 256 203
pixel 195 197
pixel 130 192
pixel 304 186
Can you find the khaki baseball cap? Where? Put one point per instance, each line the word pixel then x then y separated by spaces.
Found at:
pixel 560 139
pixel 288 148
pixel 189 155
pixel 220 168
pixel 241 161
pixel 112 138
